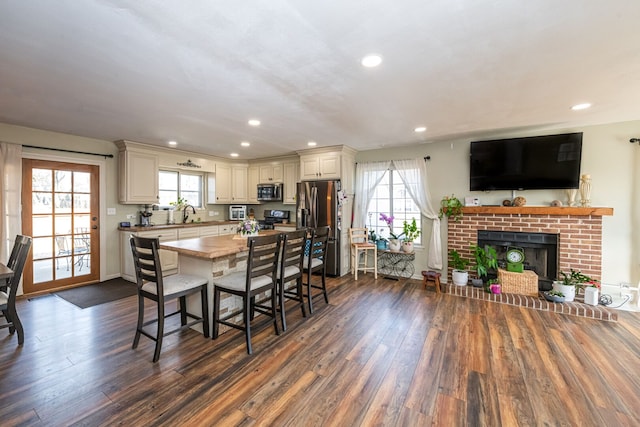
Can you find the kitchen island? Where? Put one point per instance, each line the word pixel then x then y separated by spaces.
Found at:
pixel 212 257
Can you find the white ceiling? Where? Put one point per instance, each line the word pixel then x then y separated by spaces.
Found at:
pixel 196 71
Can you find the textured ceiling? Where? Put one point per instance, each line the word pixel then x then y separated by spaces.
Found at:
pixel 196 71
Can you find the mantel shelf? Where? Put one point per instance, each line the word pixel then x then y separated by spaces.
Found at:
pixel 538 210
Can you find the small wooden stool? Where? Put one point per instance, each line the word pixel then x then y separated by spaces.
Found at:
pixel 431 276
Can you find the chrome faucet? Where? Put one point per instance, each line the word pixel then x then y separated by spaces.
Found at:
pixel 185 215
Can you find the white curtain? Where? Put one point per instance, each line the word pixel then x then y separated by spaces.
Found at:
pixel 414 174
pixel 10 206
pixel 368 175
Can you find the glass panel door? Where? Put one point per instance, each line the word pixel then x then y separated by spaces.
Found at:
pixel 62 217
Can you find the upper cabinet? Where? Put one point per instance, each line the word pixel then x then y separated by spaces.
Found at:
pixel 291 177
pixel 138 174
pixel 219 185
pixel 239 183
pixel 253 179
pixel 329 163
pixel 271 173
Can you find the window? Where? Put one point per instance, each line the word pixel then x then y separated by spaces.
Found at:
pixel 173 184
pixel 391 198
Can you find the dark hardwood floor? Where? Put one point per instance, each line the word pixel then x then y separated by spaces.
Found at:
pixel 382 353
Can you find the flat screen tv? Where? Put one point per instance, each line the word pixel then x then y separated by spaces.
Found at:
pixel 531 163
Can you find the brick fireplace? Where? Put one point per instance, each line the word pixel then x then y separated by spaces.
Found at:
pixel 579 231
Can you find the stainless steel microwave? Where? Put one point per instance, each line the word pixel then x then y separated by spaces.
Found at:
pixel 269 192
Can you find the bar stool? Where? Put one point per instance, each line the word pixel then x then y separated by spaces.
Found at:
pixel 358 237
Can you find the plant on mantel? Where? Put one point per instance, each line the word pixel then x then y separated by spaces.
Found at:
pixel 451 207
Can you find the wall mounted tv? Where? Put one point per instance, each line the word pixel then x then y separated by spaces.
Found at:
pixel 532 163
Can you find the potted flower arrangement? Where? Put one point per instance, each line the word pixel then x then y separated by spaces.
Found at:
pixel 484 259
pixel 411 232
pixel 460 275
pixel 451 207
pixel 394 239
pixel 571 282
pixel 248 227
pixel 175 206
pixel 378 240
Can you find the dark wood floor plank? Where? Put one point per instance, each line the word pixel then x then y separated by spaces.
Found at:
pixel 383 352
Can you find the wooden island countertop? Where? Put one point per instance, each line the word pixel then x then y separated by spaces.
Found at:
pixel 212 247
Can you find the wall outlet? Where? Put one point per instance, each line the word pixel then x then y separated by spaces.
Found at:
pixel 131 216
pixel 111 211
pixel 213 213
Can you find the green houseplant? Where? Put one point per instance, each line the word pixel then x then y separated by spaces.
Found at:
pixel 484 259
pixel 459 275
pixel 451 207
pixel 411 232
pixel 571 282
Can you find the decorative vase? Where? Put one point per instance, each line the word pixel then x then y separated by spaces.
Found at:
pixel 585 190
pixel 381 244
pixel 571 196
pixel 407 247
pixel 495 288
pixel 569 291
pixel 170 217
pixel 394 245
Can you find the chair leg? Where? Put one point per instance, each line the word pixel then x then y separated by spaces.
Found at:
pixel 216 312
pixel 299 290
pixel 160 332
pixel 247 323
pixel 17 326
pixel 357 262
pixel 309 294
pixel 375 263
pixel 280 287
pixel 136 339
pixel 274 310
pixel 183 310
pixel 324 285
pixel 204 297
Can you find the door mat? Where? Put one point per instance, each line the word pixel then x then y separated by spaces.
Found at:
pixel 99 293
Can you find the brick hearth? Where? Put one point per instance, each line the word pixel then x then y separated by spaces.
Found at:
pixel 579 231
pixel 576 308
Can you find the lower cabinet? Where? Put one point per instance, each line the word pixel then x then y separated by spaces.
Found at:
pixel 168 259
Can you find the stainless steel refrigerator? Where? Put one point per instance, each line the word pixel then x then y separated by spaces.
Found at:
pixel 317 206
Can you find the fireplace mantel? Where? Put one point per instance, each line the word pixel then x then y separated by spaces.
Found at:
pixel 538 210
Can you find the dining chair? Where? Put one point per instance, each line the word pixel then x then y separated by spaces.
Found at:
pixel 259 279
pixel 315 262
pixel 359 240
pixel 290 268
pixel 153 286
pixel 9 288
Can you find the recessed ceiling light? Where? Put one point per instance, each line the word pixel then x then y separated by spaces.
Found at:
pixel 372 60
pixel 254 122
pixel 173 143
pixel 583 106
pixel 245 144
pixel 234 154
pixel 312 143
pixel 420 129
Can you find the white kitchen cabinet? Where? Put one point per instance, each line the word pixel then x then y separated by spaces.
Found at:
pixel 253 179
pixel 271 173
pixel 227 229
pixel 188 233
pixel 291 178
pixel 168 259
pixel 219 185
pixel 320 166
pixel 138 175
pixel 208 230
pixel 239 183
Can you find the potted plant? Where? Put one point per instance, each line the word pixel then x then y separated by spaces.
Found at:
pixel 570 282
pixel 459 275
pixel 411 232
pixel 380 242
pixel 394 239
pixel 484 259
pixel 451 207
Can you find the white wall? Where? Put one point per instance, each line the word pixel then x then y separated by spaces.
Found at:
pixel 607 156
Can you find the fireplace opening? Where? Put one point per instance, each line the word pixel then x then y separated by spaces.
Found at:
pixel 540 252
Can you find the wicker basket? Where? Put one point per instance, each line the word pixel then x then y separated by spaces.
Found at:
pixel 525 283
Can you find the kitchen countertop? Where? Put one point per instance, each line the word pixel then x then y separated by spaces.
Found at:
pixel 177 225
pixel 213 246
